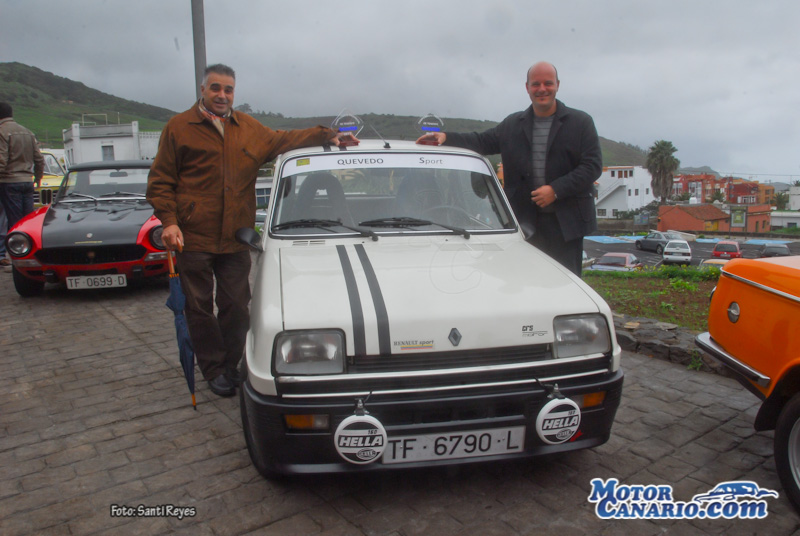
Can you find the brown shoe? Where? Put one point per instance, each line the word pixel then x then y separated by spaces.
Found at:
pixel 5 262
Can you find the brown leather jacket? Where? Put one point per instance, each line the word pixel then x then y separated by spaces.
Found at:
pixel 206 184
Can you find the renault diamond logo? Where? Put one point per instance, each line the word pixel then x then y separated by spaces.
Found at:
pixel 454 337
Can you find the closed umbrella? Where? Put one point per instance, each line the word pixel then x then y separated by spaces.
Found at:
pixel 177 302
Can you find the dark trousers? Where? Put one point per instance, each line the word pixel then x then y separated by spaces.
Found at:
pixel 218 341
pixel 549 238
pixel 17 199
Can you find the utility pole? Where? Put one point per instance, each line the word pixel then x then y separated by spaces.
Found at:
pixel 199 33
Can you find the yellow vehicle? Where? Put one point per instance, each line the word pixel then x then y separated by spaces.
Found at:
pixel 754 330
pixel 47 188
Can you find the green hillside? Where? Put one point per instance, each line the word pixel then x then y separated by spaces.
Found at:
pixel 47 104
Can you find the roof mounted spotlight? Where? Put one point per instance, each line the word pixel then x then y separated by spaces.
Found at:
pixel 430 123
pixel 350 123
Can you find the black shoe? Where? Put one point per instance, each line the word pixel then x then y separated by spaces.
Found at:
pixel 234 376
pixel 222 386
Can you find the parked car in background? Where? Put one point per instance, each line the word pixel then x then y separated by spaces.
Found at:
pixel 656 240
pixel 754 330
pixel 677 252
pixel 366 351
pixel 617 261
pixel 713 263
pixel 46 190
pixel 774 250
pixel 727 249
pixel 99 232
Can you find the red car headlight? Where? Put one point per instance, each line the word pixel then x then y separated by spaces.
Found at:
pixel 155 237
pixel 19 244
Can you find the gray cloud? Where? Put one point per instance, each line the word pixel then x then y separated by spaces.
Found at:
pixel 717 78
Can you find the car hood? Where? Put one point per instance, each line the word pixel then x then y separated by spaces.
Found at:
pixel 101 223
pixel 428 296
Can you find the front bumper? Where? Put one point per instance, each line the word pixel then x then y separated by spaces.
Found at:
pixel 275 449
pixel 50 273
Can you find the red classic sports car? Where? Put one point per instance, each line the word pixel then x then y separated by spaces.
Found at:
pixel 99 232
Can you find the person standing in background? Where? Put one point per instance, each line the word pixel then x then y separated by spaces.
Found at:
pixel 19 158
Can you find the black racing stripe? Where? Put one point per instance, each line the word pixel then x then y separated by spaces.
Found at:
pixel 384 338
pixel 360 336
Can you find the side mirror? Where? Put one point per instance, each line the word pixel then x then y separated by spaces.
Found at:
pixel 249 237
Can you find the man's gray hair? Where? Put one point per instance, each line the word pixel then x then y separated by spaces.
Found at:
pixel 218 68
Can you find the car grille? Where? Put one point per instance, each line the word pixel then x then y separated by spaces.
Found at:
pixel 44 196
pixel 91 255
pixel 471 378
pixel 445 360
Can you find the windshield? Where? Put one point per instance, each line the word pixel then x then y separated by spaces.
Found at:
pixel 677 245
pixel 104 183
pixel 51 165
pixel 612 260
pixel 388 194
pixel 726 247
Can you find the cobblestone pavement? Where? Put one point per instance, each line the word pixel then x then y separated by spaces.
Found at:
pixel 94 412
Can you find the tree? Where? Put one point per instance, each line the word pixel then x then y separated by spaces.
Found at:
pixel 244 108
pixel 718 196
pixel 662 166
pixel 781 200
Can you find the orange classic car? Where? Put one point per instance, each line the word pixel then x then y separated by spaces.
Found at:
pixel 754 329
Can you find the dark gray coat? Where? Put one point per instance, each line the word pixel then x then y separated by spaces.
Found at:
pixel 574 162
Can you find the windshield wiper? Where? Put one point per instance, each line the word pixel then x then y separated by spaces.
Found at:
pixel 123 194
pixel 405 221
pixel 323 224
pixel 77 194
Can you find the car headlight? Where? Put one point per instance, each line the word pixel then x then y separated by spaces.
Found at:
pixel 19 244
pixel 309 352
pixel 155 237
pixel 581 335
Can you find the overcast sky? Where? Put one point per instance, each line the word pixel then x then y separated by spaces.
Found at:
pixel 720 79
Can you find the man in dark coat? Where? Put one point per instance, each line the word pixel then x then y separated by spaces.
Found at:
pixel 551 159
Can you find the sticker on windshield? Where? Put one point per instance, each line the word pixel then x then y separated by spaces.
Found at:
pixel 334 161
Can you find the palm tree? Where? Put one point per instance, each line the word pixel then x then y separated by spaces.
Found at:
pixel 662 165
pixel 781 200
pixel 718 196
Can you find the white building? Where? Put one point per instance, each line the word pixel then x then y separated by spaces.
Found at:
pixel 784 220
pixel 794 198
pixel 89 143
pixel 622 189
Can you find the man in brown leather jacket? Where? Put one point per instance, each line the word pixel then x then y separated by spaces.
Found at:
pixel 202 187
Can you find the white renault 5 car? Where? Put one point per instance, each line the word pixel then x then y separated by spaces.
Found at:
pixel 399 319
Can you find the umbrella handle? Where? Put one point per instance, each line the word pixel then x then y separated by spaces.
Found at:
pixel 171 263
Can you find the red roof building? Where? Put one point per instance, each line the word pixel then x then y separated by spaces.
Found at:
pixel 710 218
